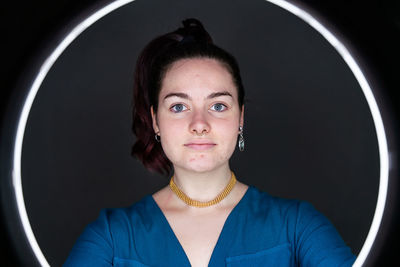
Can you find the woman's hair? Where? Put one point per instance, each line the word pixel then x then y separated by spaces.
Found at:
pixel 190 41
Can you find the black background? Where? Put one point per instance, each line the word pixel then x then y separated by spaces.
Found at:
pixel 372 26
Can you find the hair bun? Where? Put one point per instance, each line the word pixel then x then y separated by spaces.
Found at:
pixel 187 23
pixel 193 31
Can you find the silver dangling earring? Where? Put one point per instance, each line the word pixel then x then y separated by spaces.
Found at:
pixel 157 137
pixel 241 139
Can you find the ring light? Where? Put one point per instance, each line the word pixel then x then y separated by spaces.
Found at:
pixel 296 10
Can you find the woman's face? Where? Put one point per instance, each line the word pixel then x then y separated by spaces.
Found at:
pixel 198 115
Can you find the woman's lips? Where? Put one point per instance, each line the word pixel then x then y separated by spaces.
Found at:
pixel 197 146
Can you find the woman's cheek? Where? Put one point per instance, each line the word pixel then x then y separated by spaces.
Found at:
pixel 172 133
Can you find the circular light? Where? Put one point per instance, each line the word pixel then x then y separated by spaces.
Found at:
pixel 306 16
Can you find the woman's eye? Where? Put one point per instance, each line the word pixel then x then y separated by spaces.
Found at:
pixel 178 108
pixel 218 107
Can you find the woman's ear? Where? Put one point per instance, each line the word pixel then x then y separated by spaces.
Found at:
pixel 241 122
pixel 154 119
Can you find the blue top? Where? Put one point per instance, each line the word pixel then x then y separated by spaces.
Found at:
pixel 260 231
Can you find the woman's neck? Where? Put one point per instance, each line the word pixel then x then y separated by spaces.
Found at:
pixel 202 186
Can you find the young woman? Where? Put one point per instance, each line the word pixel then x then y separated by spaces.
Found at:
pixel 188 118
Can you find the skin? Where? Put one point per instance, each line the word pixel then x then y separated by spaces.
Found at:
pixel 198 120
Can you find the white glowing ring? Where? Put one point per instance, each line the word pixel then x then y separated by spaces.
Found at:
pixel 292 8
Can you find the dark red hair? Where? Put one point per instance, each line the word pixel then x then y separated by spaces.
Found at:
pixel 190 41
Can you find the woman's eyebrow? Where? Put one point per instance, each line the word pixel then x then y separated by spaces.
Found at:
pixel 181 95
pixel 217 94
pixel 185 96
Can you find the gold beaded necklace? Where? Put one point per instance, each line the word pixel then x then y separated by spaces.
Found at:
pixel 200 204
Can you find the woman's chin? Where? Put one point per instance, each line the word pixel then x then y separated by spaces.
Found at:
pixel 201 165
pixel 200 162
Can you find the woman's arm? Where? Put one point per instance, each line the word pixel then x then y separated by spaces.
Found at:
pixel 318 242
pixel 94 247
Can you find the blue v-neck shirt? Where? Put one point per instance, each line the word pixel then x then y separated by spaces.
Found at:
pixel 260 231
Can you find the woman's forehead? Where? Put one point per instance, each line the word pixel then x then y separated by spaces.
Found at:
pixel 198 76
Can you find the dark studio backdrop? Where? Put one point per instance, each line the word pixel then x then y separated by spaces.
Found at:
pixel 309 133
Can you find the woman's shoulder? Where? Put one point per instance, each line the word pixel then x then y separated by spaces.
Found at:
pixel 309 234
pixel 261 200
pixel 292 214
pixel 112 233
pixel 137 212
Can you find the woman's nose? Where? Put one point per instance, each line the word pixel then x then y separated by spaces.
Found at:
pixel 199 124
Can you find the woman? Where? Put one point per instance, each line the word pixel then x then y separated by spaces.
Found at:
pixel 188 117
